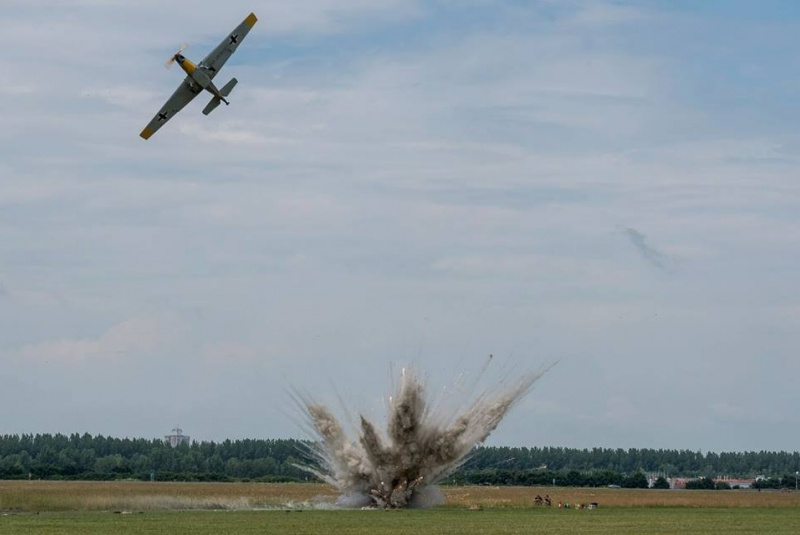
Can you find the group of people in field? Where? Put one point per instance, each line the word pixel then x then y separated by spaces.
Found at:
pixel 547 502
pixel 538 500
pixel 566 505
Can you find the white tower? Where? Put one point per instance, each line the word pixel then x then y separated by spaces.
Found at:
pixel 177 437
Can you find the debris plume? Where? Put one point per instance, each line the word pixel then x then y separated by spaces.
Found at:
pixel 423 444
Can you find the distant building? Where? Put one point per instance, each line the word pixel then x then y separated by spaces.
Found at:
pixel 177 438
pixel 741 483
pixel 679 482
pixel 653 476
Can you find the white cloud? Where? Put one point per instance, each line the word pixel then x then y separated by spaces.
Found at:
pixel 605 14
pixel 124 340
pixel 472 173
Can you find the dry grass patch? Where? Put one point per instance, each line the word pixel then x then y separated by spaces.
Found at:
pixel 147 496
pixel 138 495
pixel 523 497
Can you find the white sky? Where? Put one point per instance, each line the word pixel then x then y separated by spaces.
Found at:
pixel 611 184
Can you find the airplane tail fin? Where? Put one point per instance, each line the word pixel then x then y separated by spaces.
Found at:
pixel 227 88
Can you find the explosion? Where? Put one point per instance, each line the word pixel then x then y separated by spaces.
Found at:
pixel 423 443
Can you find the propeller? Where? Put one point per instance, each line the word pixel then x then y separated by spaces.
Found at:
pixel 171 59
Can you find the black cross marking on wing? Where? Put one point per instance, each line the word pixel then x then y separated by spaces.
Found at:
pixel 234 39
pixel 162 116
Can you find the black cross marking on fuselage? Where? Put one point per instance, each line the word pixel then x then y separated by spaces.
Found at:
pixel 234 39
pixel 162 116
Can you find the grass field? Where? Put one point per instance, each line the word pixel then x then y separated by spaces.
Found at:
pixel 49 507
pixel 51 496
pixel 621 520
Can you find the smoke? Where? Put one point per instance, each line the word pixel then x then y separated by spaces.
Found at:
pixel 424 442
pixel 649 253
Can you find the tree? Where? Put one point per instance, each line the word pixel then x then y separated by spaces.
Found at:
pixel 636 481
pixel 703 483
pixel 110 464
pixel 661 483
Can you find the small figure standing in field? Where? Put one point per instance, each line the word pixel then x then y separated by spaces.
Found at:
pixel 538 500
pixel 547 501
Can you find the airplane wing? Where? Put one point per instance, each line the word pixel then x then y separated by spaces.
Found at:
pixel 180 98
pixel 213 62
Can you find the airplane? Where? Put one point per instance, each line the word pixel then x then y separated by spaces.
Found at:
pixel 199 77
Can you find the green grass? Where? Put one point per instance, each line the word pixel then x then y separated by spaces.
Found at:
pixel 440 521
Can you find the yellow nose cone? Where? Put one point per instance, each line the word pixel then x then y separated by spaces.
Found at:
pixel 188 66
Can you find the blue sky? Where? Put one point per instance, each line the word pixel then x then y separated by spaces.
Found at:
pixel 608 184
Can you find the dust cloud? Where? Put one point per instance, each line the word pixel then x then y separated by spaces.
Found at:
pixel 424 441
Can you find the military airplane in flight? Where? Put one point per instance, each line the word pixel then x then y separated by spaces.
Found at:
pixel 199 77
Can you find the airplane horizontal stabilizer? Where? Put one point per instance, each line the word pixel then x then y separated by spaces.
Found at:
pixel 211 106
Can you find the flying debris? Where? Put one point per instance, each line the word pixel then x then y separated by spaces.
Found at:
pixel 199 77
pixel 423 443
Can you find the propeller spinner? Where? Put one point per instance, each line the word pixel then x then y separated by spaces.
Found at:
pixel 172 58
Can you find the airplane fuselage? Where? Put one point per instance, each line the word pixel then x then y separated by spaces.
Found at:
pixel 198 76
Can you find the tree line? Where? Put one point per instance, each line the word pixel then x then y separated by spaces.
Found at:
pixel 97 457
pixel 571 478
pixel 685 463
pixel 85 456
